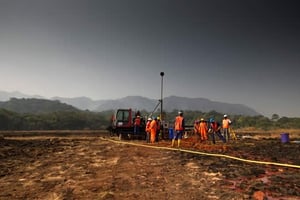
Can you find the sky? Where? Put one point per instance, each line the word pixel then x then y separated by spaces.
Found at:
pixel 245 52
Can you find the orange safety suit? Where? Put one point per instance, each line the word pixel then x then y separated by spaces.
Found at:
pixel 226 123
pixel 179 123
pixel 203 130
pixel 153 129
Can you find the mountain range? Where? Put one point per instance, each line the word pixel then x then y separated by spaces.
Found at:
pixel 170 103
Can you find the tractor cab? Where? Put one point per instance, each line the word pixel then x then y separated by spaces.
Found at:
pixel 123 124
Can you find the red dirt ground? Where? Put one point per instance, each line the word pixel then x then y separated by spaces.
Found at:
pixel 95 166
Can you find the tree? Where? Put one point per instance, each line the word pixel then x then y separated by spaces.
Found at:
pixel 275 117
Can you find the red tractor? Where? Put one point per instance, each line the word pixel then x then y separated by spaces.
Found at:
pixel 123 125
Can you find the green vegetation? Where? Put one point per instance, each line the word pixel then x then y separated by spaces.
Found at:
pixel 39 114
pixel 86 120
pixel 60 120
pixel 241 121
pixel 35 106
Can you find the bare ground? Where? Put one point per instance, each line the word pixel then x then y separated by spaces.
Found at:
pixel 99 167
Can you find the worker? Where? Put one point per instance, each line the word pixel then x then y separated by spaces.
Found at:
pixel 196 127
pixel 203 129
pixel 215 128
pixel 137 124
pixel 226 122
pixel 157 129
pixel 196 130
pixel 179 128
pixel 153 129
pixel 147 129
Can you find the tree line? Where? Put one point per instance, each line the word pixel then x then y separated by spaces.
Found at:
pixel 242 121
pixel 87 120
pixel 59 120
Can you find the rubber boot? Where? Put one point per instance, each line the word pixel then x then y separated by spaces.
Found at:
pixel 173 141
pixel 179 143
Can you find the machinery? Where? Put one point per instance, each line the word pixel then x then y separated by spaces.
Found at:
pixel 123 124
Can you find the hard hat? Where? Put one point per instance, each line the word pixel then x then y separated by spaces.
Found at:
pixel 179 112
pixel 149 119
pixel 211 120
pixel 202 119
pixel 158 118
pixel 225 115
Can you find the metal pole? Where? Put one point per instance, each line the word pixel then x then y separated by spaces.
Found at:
pixel 161 95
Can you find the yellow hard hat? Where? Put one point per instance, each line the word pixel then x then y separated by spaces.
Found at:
pixel 158 118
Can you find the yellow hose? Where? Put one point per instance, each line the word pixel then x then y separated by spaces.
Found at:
pixel 207 154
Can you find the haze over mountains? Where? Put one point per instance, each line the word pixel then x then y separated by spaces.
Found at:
pixel 141 103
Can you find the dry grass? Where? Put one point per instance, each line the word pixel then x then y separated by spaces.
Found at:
pixel 293 133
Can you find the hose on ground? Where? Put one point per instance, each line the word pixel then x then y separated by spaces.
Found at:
pixel 206 154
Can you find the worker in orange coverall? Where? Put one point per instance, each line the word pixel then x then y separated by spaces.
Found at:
pixel 153 130
pixel 225 126
pixel 203 129
pixel 147 129
pixel 179 126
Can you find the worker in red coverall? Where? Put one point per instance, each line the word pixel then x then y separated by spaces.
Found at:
pixel 215 130
pixel 137 124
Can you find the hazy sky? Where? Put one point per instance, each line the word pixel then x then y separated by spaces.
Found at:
pixel 245 52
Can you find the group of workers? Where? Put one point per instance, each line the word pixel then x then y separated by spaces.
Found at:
pixel 153 129
pixel 202 129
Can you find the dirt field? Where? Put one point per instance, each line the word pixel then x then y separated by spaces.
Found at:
pixel 95 166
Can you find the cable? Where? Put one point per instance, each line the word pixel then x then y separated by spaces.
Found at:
pixel 206 154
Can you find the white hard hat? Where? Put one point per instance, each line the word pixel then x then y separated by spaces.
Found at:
pixel 225 115
pixel 149 119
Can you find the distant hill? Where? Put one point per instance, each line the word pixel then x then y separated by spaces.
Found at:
pixel 178 103
pixel 35 106
pixel 5 96
pixel 206 105
pixel 141 103
pixel 134 102
pixel 83 103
